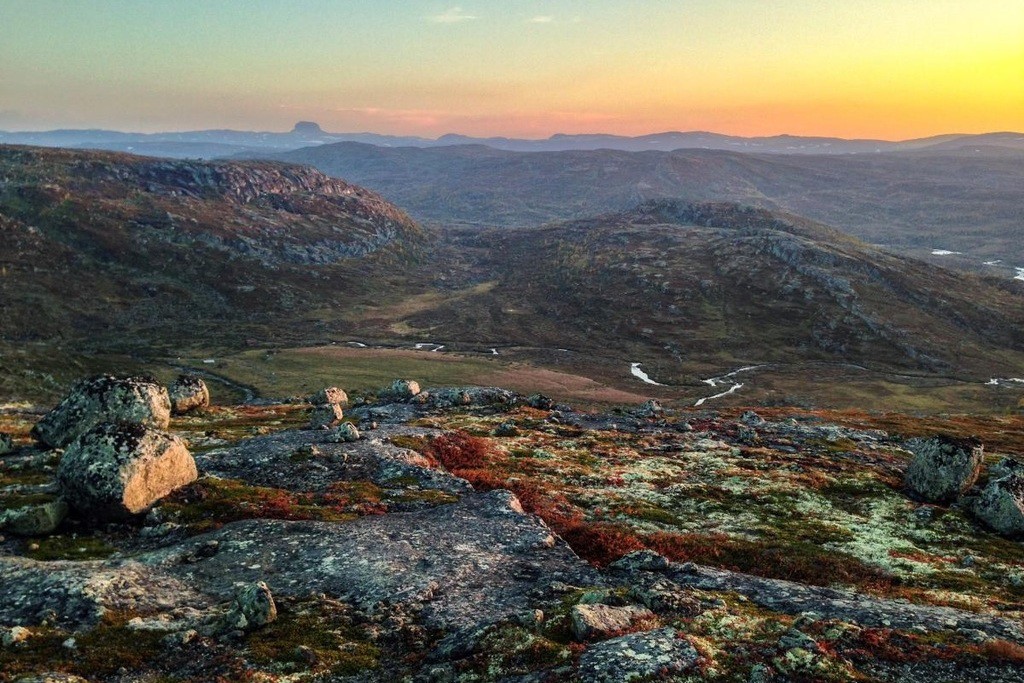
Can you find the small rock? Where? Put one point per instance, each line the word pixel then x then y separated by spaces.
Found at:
pixel 252 608
pixel 540 402
pixel 794 638
pixel 328 396
pixel 650 408
pixel 506 429
pixel 344 433
pixel 324 416
pixel 1001 506
pixel 188 393
pixel 943 467
pixel 115 470
pixel 35 520
pixel 70 644
pixel 751 419
pixel 603 621
pixel 15 635
pixel 638 656
pixel 6 443
pixel 641 560
pixel 104 399
pixel 402 389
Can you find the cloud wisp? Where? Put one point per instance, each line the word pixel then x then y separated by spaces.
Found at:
pixel 542 19
pixel 454 15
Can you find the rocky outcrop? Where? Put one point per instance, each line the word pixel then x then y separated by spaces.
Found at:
pixel 187 393
pixel 1001 505
pixel 943 468
pixel 130 400
pixel 120 469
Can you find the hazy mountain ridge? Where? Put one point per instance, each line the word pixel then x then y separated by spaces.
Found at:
pixel 209 143
pixel 914 201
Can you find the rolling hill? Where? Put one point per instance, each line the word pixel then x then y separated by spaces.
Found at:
pixel 155 259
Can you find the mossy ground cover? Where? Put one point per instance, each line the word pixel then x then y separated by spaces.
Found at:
pixel 818 511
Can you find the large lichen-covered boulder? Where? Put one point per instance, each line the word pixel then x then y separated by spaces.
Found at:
pixel 1001 505
pixel 652 655
pixel 943 467
pixel 104 398
pixel 188 393
pixel 115 470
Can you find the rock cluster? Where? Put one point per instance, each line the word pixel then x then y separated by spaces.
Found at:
pixel 327 411
pixel 133 400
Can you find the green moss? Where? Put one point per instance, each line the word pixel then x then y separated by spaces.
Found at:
pixel 210 503
pixel 14 501
pixel 99 652
pixel 69 547
pixel 313 637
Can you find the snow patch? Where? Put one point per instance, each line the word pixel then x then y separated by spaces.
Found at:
pixel 944 252
pixel 642 376
pixel 733 388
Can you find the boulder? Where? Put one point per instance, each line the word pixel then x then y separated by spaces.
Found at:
pixel 188 393
pixel 6 443
pixel 133 400
pixel 35 520
pixel 1001 505
pixel 402 389
pixel 653 655
pixel 943 468
pixel 325 416
pixel 596 622
pixel 329 395
pixel 252 608
pixel 114 470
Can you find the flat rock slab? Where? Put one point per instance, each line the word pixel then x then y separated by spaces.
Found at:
pixel 269 461
pixel 844 605
pixel 76 594
pixel 474 561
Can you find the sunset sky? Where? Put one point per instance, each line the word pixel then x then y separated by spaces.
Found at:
pixel 890 69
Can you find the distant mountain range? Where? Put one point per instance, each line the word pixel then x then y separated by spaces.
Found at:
pixel 217 143
pixel 917 202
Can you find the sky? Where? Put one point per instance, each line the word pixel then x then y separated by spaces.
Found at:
pixel 889 69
